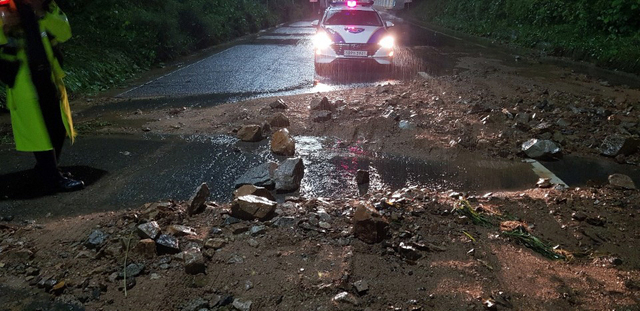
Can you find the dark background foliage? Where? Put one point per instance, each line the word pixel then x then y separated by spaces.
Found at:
pixel 605 32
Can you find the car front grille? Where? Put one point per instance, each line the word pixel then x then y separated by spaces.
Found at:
pixel 370 48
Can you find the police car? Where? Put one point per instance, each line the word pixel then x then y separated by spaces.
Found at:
pixel 352 31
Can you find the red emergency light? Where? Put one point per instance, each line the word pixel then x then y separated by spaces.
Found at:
pixel 352 3
pixel 4 2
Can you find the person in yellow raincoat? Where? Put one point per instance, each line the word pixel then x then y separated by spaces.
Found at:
pixel 36 95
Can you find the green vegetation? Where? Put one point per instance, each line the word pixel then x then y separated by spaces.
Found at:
pixel 116 39
pixel 605 32
pixel 534 243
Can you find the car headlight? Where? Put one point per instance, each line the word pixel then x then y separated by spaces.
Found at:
pixel 387 42
pixel 322 41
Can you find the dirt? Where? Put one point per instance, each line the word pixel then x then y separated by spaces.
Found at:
pixel 434 257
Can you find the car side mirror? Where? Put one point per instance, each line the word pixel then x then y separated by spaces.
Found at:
pixel 315 23
pixel 389 24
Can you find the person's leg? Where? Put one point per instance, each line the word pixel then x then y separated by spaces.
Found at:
pixel 47 168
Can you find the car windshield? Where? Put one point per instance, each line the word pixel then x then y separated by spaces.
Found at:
pixel 352 17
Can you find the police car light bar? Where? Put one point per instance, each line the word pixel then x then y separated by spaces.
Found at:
pixel 352 3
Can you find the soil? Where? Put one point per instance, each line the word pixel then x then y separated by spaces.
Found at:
pixel 434 257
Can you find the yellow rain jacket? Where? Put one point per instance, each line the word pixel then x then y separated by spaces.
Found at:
pixel 29 129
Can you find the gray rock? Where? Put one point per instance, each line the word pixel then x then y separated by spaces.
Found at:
pixel 133 270
pixel 321 104
pixel 196 304
pixel 279 104
pixel 250 133
pixel 321 116
pixel 523 117
pixel 279 120
pixel 194 261
pixel 288 175
pixel 96 239
pixel 541 149
pixel 197 202
pixel 285 222
pixel 621 181
pixel 362 177
pixel 254 190
pixel 251 207
pixel 368 225
pixel 257 230
pixel 409 252
pixel 544 183
pixel 231 220
pixel 253 243
pixel 148 230
pixel 215 243
pixel 615 145
pixel 347 298
pixel 282 143
pixel 180 230
pixel 242 305
pixel 166 244
pixel 361 287
pixel 261 175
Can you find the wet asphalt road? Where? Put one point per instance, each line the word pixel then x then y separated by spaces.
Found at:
pixel 128 171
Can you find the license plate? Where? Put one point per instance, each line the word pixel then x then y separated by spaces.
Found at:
pixel 355 53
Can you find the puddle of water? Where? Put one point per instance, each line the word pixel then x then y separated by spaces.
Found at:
pixel 578 172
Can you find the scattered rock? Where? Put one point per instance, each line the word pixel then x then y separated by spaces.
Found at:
pixel 215 243
pixel 321 104
pixel 194 261
pixel 579 216
pixel 288 175
pixel 253 190
pixel 146 247
pixel 96 239
pixel 621 181
pixel 257 230
pixel 250 133
pixel 149 230
pixel 347 298
pixel 242 305
pixel 285 222
pixel 180 230
pixel 544 183
pixel 321 116
pixel 369 225
pixel 362 177
pixel 614 145
pixel 196 305
pixel 282 143
pixel 408 252
pixel 197 202
pixel 279 120
pixel 361 287
pixel 166 244
pixel 279 104
pixel 541 149
pixel 596 221
pixel 251 207
pixel 261 176
pixel 132 270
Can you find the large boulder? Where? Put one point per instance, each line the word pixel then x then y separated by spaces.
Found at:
pixel 616 145
pixel 321 104
pixel 288 175
pixel 261 176
pixel 621 181
pixel 250 133
pixel 541 149
pixel 250 207
pixel 368 225
pixel 198 201
pixel 282 143
pixel 279 120
pixel 253 190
